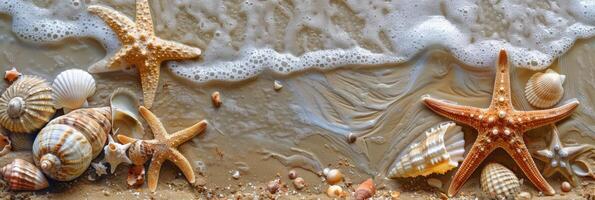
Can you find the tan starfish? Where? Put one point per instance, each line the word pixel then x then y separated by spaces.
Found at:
pixel 162 148
pixel 141 47
pixel 500 126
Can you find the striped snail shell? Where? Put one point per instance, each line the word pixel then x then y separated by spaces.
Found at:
pixel 65 147
pixel 22 175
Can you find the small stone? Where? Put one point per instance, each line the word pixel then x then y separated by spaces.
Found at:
pixel 334 191
pixel 235 174
pixel 216 99
pixel 333 176
pixel 106 193
pixel 434 182
pixel 566 187
pixel 524 196
pixel 292 174
pixel 394 195
pixel 299 183
pixel 277 85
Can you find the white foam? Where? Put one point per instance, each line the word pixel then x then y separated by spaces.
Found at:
pixel 533 32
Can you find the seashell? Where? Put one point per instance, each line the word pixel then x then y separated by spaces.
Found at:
pixel 365 190
pixel 544 90
pixel 100 168
pixel 139 152
pixel 65 147
pixel 125 115
pixel 5 144
pixel 438 152
pixel 115 153
pixel 277 85
pixel 72 88
pixel 299 183
pixel 22 175
pixel 566 187
pixel 136 176
pixel 235 174
pixel 584 164
pixel 292 174
pixel 26 105
pixel 335 191
pixel 12 75
pixel 274 186
pixel 216 99
pixel 333 176
pixel 499 182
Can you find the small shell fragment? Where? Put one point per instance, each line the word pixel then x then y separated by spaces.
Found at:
pixel 136 176
pixel 274 186
pixel 365 190
pixel 299 183
pixel 216 99
pixel 335 191
pixel 277 85
pixel 12 75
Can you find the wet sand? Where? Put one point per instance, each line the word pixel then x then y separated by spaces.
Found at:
pixel 264 133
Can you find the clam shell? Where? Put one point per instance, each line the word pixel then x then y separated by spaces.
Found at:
pixel 65 147
pixel 498 182
pixel 439 151
pixel 22 175
pixel 26 105
pixel 125 115
pixel 544 90
pixel 5 144
pixel 72 88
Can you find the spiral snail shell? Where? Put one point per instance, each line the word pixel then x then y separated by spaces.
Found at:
pixel 22 175
pixel 65 147
pixel 26 105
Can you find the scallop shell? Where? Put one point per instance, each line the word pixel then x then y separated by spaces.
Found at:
pixel 499 182
pixel 439 151
pixel 22 175
pixel 544 90
pixel 72 88
pixel 5 144
pixel 26 105
pixel 65 147
pixel 125 115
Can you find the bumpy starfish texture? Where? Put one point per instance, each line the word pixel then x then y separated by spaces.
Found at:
pixel 141 47
pixel 162 148
pixel 499 126
pixel 557 158
pixel 115 154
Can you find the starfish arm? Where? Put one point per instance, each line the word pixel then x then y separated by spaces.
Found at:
pixel 520 154
pixel 179 160
pixel 475 156
pixel 125 139
pixel 569 175
pixel 452 111
pixel 538 118
pixel 118 57
pixel 502 82
pixel 544 154
pixel 154 170
pixel 119 23
pixel 168 50
pixel 182 136
pixel 143 16
pixel 149 76
pixel 158 130
pixel 574 151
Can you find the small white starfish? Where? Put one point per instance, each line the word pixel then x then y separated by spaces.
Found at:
pixel 557 157
pixel 115 153
pixel 100 168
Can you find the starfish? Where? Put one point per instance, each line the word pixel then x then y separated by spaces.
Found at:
pixel 162 148
pixel 557 158
pixel 115 153
pixel 499 126
pixel 141 47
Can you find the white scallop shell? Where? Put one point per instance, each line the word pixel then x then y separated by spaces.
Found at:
pixel 438 152
pixel 499 182
pixel 544 90
pixel 72 88
pixel 125 115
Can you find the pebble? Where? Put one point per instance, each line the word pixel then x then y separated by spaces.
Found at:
pixel 566 187
pixel 299 183
pixel 273 186
pixel 277 85
pixel 292 174
pixel 334 191
pixel 434 182
pixel 333 176
pixel 394 195
pixel 216 99
pixel 235 174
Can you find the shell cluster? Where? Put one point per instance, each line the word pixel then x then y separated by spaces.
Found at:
pixel 544 90
pixel 22 175
pixel 499 182
pixel 26 105
pixel 72 88
pixel 65 147
pixel 439 151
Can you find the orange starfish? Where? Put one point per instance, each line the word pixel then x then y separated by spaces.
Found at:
pixel 141 47
pixel 500 126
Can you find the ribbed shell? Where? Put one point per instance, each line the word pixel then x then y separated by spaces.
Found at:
pixel 5 144
pixel 498 182
pixel 69 143
pixel 139 152
pixel 72 88
pixel 26 105
pixel 439 151
pixel 544 90
pixel 22 175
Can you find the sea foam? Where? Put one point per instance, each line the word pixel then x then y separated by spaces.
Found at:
pixel 274 34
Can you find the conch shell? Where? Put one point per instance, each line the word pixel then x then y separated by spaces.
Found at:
pixel 72 88
pixel 440 151
pixel 65 147
pixel 26 105
pixel 125 115
pixel 544 90
pixel 499 182
pixel 22 175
